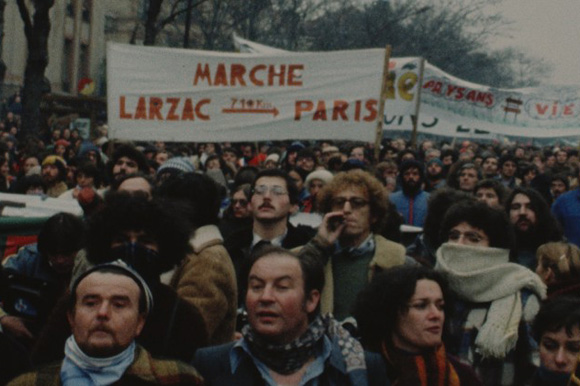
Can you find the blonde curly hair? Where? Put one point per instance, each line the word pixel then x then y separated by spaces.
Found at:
pixel 358 179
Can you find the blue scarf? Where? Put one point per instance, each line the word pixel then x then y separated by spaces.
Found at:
pixel 79 369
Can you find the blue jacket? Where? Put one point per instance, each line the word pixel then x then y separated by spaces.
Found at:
pixel 413 209
pixel 566 209
pixel 28 262
pixel 214 365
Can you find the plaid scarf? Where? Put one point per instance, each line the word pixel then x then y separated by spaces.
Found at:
pixel 430 368
pixel 288 358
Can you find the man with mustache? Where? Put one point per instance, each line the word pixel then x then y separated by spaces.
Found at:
pixel 127 159
pixel 287 340
pixel 108 307
pixel 274 197
pixel 533 223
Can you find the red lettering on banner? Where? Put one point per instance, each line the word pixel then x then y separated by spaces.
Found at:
pixel 357 110
pixel 302 107
pixel 171 116
pixel 273 73
pixel 541 108
pixel 240 75
pixel 165 110
pixel 437 87
pixel 371 106
pixel 293 70
pixel 221 76
pixel 198 112
pixel 320 114
pixel 253 79
pixel 141 110
pixel 238 71
pixel 187 113
pixel 122 113
pixel 457 93
pixel 341 110
pixel 201 74
pixel 450 89
pixel 471 96
pixel 155 105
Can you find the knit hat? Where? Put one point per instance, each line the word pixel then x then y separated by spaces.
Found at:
pixel 126 270
pixel 179 164
pixel 56 160
pixel 321 174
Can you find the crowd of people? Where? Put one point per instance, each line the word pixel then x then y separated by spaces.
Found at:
pixel 294 263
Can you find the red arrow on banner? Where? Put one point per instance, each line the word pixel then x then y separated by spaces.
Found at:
pixel 273 111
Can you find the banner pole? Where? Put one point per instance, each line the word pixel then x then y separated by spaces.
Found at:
pixel 415 118
pixel 382 98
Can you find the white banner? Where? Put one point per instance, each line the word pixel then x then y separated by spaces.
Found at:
pixel 187 95
pixel 454 107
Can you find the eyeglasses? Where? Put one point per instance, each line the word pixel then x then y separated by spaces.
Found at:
pixel 472 237
pixel 241 201
pixel 276 190
pixel 337 203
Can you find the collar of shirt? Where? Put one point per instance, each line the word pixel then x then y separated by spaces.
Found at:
pixel 314 370
pixel 368 245
pixel 277 241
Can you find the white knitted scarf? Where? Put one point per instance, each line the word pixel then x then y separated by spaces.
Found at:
pixel 480 275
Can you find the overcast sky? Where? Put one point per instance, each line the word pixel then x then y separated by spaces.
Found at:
pixel 548 29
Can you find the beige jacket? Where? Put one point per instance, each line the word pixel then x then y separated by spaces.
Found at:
pixel 206 278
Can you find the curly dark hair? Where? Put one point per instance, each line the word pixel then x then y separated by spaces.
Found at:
pixel 493 222
pixel 199 193
pixel 381 302
pixel 162 222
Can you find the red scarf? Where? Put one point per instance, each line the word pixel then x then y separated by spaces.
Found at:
pixel 431 368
